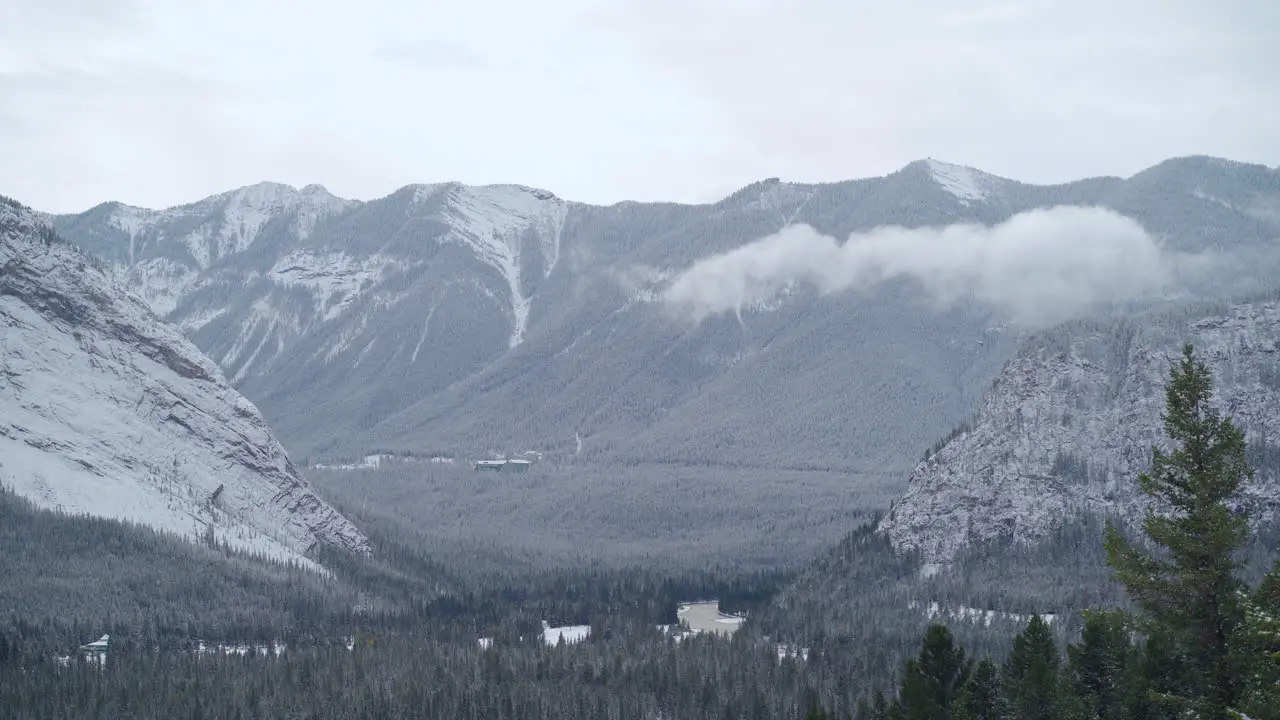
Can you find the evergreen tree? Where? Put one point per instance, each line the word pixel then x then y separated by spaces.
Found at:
pixel 1192 594
pixel 932 679
pixel 1258 650
pixel 1031 673
pixel 1096 667
pixel 980 698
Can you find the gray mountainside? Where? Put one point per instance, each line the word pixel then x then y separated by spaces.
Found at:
pixel 1070 422
pixel 473 320
pixel 109 411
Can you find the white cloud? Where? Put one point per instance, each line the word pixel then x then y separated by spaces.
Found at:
pixel 1041 267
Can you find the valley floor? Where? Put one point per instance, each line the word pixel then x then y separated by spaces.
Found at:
pixel 621 514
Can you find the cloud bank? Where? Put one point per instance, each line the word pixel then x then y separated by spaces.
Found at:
pixel 1041 267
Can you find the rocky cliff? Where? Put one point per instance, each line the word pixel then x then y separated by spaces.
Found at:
pixel 1070 422
pixel 106 410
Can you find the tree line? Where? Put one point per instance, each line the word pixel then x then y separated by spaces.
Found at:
pixel 1197 643
pixel 1191 637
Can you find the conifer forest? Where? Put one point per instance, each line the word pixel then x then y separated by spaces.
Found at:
pixel 1174 620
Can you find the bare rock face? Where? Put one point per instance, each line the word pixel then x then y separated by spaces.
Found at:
pixel 106 410
pixel 1069 424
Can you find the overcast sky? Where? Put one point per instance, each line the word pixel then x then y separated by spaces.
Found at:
pixel 157 102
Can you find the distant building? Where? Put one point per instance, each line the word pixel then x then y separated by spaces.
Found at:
pixel 490 465
pixel 518 465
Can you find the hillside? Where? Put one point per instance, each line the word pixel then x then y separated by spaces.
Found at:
pixel 1069 423
pixel 109 411
pixel 475 320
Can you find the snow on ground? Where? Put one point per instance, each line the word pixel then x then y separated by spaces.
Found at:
pixel 791 651
pixel 335 278
pixel 935 611
pixel 197 320
pixel 274 649
pixel 965 183
pixel 110 412
pixel 161 282
pixel 570 633
pixel 493 221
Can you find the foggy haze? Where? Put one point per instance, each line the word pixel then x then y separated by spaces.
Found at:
pixel 1040 267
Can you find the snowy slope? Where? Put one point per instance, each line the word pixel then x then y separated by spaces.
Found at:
pixel 477 319
pixel 109 411
pixel 965 183
pixel 1069 423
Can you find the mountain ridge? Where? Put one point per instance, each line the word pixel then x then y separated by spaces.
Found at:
pixel 497 303
pixel 926 162
pixel 112 412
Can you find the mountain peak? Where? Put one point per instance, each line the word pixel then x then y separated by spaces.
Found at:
pixel 966 183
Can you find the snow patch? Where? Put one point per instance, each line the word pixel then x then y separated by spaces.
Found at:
pixel 335 278
pixel 426 327
pixel 965 183
pixel 161 283
pixel 569 633
pixel 935 611
pixel 493 222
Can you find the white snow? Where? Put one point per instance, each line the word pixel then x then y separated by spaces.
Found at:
pixel 1000 479
pixel 161 282
pixel 197 320
pixel 335 278
pixel 792 651
pixel 110 412
pixel 493 221
pixel 935 611
pixel 1201 194
pixel 963 182
pixel 570 633
pixel 275 649
pixel 426 327
pixel 262 315
pixel 133 221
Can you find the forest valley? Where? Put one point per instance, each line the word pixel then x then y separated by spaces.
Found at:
pixel 1185 634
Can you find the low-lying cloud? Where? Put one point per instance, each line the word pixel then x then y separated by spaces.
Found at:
pixel 1041 267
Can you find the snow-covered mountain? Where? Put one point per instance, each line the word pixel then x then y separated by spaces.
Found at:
pixel 1069 423
pixel 456 319
pixel 109 411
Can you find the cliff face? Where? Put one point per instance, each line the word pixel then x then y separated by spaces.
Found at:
pixel 106 410
pixel 1070 422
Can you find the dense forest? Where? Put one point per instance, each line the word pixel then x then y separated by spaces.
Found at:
pixel 1176 622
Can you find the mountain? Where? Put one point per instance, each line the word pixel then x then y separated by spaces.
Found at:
pixel 473 320
pixel 1070 422
pixel 109 411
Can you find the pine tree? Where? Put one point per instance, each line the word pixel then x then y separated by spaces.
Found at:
pixel 1096 666
pixel 932 679
pixel 980 698
pixel 1192 594
pixel 1258 650
pixel 1031 673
